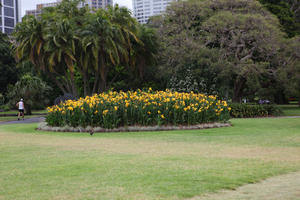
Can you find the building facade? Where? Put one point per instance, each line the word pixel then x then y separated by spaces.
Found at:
pixel 95 4
pixel 10 15
pixel 36 12
pixel 143 9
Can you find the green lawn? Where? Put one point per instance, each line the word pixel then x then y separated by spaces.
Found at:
pixel 290 110
pixel 144 165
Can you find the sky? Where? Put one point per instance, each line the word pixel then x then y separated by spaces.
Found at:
pixel 31 4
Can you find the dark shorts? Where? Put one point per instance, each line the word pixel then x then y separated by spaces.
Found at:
pixel 21 110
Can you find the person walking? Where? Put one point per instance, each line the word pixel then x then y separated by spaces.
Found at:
pixel 20 106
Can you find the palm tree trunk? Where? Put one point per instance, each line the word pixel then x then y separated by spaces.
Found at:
pixel 97 74
pixel 73 85
pixel 60 86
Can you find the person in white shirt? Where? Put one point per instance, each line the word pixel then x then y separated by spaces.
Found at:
pixel 20 106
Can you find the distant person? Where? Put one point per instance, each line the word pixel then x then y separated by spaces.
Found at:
pixel 20 106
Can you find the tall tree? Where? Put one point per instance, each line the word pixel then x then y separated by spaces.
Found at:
pixel 71 44
pixel 8 69
pixel 288 13
pixel 244 36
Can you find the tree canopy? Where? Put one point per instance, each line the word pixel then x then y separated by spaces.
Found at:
pixel 229 44
pixel 288 13
pixel 73 45
pixel 8 69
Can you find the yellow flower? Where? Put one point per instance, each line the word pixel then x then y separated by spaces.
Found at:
pixel 158 112
pixel 149 113
pixel 105 112
pixel 229 108
pixel 162 116
pixel 70 108
pixel 116 108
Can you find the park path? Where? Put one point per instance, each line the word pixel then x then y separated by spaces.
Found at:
pixel 25 121
pixel 41 119
pixel 284 187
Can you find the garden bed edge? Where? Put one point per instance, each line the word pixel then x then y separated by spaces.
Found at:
pixel 44 127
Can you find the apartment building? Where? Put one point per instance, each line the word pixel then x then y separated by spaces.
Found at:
pixel 36 12
pixel 96 4
pixel 10 14
pixel 143 9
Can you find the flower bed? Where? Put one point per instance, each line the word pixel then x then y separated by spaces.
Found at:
pixel 121 109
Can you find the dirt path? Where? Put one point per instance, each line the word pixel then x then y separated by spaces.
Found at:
pixel 284 187
pixel 26 121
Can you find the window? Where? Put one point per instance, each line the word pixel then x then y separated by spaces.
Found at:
pixel 9 12
pixel 9 3
pixel 8 30
pixel 9 22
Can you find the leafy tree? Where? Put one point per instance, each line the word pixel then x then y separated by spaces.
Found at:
pixel 107 41
pixel 32 89
pixel 290 74
pixel 242 37
pixel 287 13
pixel 74 45
pixel 8 70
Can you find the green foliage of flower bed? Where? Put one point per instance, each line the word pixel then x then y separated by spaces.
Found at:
pixel 113 109
pixel 254 110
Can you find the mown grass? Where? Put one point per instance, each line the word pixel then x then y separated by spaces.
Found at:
pixel 144 165
pixel 290 110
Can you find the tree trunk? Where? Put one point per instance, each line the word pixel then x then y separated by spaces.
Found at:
pixel 73 85
pixel 85 84
pixel 237 90
pixel 96 82
pixel 28 109
pixel 102 86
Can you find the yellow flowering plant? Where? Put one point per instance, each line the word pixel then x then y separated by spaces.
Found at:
pixel 145 108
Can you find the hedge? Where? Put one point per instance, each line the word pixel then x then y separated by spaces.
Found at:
pixel 253 110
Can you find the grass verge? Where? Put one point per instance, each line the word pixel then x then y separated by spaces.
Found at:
pixel 290 110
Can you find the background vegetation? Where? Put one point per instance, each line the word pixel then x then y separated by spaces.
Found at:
pixel 238 50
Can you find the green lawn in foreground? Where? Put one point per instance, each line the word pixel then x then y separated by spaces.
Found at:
pixel 290 110
pixel 144 165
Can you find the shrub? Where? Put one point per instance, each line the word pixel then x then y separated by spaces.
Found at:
pixel 253 110
pixel 113 109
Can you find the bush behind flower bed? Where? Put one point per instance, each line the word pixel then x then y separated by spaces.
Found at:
pixel 144 108
pixel 253 110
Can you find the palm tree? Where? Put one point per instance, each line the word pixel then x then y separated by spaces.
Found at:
pixel 60 46
pixel 144 52
pixel 107 41
pixel 29 36
pixel 66 41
